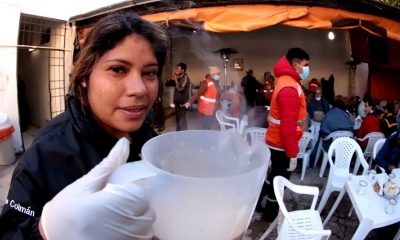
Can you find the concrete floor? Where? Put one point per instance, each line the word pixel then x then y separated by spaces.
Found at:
pixel 342 226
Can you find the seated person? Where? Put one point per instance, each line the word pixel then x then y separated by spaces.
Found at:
pixel 389 155
pixel 318 106
pixel 337 119
pixel 388 122
pixel 371 123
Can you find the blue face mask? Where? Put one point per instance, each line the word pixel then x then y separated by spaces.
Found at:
pixel 216 77
pixel 306 72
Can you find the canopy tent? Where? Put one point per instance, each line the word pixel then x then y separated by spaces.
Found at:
pixel 233 18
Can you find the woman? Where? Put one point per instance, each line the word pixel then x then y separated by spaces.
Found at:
pixel 114 84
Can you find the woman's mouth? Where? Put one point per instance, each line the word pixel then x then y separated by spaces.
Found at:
pixel 134 111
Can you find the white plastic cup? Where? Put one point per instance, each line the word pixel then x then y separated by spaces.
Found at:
pixel 390 205
pixel 372 176
pixel 362 186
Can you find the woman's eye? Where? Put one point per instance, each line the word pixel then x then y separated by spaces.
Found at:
pixel 117 69
pixel 151 73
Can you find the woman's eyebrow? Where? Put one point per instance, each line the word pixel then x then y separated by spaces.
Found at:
pixel 118 60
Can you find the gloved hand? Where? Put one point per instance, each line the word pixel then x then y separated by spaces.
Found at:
pixel 86 209
pixel 292 164
pixel 186 105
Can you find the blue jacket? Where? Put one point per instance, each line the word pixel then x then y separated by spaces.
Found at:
pixel 335 120
pixel 389 153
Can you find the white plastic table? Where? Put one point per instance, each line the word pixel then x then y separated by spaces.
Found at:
pixel 369 207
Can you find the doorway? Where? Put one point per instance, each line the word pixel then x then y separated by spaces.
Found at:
pixel 40 69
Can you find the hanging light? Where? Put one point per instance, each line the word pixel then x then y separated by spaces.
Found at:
pixel 331 35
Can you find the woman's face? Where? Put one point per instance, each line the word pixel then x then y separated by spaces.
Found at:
pixel 123 86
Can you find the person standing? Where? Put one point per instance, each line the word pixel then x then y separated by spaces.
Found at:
pixel 181 95
pixel 286 120
pixel 207 97
pixel 268 89
pixel 250 86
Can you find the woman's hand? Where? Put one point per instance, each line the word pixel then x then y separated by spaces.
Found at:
pixel 87 209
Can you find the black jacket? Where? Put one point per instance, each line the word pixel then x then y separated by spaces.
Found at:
pixel 63 151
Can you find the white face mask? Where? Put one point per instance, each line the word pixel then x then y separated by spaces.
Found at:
pixel 318 98
pixel 306 73
pixel 216 77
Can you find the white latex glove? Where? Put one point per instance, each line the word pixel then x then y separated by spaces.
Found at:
pixel 292 164
pixel 86 209
pixel 186 105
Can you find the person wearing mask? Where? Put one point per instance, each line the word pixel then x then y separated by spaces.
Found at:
pixel 388 122
pixel 268 89
pixel 181 95
pixel 58 190
pixel 207 97
pixel 286 121
pixel 318 106
pixel 371 122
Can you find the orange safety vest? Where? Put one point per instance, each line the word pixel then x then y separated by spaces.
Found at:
pixel 208 99
pixel 274 130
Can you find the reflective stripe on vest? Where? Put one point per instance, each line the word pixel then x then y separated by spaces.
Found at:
pixel 207 99
pixel 278 122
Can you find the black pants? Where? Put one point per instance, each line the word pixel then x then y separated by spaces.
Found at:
pixel 280 164
pixel 181 123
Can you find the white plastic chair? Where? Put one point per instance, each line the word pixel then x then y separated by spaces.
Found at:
pixel 372 137
pixel 314 129
pixel 244 122
pixel 226 122
pixel 333 136
pixel 305 153
pixel 253 134
pixel 298 224
pixel 377 147
pixel 344 149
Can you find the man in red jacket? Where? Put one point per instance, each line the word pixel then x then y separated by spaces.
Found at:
pixel 286 120
pixel 371 123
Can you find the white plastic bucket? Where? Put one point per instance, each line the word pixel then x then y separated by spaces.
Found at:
pixel 7 154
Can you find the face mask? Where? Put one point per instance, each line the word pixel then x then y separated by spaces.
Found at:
pixel 216 77
pixel 317 98
pixel 306 72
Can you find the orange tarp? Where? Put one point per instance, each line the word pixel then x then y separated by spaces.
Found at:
pixel 235 18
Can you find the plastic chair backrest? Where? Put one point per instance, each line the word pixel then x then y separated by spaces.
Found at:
pixel 377 147
pixel 372 137
pixel 338 134
pixel 255 134
pixel 279 186
pixel 344 149
pixel 222 123
pixel 304 142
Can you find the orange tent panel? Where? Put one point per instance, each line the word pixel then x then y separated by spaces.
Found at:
pixel 234 18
